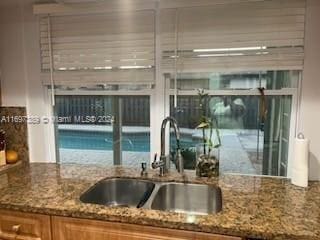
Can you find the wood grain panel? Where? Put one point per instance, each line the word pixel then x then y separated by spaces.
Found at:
pixel 79 229
pixel 24 226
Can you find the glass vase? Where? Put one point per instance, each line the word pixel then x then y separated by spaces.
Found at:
pixel 207 164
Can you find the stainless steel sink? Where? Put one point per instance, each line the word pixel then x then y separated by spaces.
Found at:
pixel 175 197
pixel 188 198
pixel 119 192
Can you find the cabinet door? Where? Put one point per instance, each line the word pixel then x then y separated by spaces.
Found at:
pixel 24 226
pixel 79 229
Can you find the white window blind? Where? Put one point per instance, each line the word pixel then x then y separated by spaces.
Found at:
pixel 261 35
pixel 113 48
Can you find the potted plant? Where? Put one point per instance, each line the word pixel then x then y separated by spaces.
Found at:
pixel 207 152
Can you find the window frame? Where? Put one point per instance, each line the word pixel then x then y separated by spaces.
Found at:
pixel 54 150
pixel 293 92
pixel 156 106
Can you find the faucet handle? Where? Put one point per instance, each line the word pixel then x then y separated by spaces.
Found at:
pixel 155 158
pixel 154 163
pixel 157 164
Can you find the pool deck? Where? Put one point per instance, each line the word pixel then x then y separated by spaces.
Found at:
pixel 238 147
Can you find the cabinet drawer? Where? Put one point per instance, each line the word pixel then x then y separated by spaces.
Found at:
pixel 24 226
pixel 80 229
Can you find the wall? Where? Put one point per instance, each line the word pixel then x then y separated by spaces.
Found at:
pixel 12 55
pixel 20 67
pixel 310 106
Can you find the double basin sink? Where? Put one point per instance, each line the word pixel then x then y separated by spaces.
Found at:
pixel 168 196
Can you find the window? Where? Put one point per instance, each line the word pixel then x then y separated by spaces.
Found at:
pixel 100 67
pixel 108 130
pixel 231 50
pixel 249 144
pixel 138 66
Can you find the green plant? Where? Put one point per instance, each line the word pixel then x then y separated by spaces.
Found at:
pixel 207 123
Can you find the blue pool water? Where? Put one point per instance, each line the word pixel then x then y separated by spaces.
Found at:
pixel 135 142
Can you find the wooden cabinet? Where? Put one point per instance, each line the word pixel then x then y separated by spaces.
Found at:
pixel 24 226
pixel 80 229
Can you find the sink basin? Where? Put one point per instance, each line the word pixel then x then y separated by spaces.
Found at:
pixel 119 192
pixel 175 197
pixel 188 198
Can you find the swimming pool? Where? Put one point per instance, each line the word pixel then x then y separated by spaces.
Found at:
pixel 95 140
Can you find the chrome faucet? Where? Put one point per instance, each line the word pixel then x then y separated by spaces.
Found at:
pixel 164 163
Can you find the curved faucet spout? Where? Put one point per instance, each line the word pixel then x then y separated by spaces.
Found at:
pixel 164 163
pixel 174 123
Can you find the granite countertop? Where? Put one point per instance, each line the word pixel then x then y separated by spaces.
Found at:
pixel 256 207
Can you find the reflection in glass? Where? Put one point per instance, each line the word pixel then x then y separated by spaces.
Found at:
pixel 238 80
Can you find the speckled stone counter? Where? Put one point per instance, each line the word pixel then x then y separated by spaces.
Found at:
pixel 256 207
pixel 16 130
